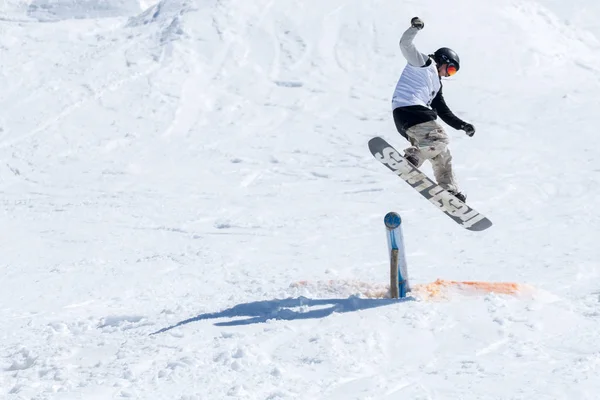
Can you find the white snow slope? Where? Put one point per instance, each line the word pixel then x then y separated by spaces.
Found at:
pixel 169 172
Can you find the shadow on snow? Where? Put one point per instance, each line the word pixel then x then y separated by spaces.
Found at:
pixel 261 311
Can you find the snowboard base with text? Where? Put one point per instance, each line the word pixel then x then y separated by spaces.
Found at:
pixel 460 212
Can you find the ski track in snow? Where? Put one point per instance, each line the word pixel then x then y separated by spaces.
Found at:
pixel 191 211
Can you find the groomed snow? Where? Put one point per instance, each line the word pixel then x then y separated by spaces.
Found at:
pixel 190 209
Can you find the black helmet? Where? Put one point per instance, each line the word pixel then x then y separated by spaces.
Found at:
pixel 446 56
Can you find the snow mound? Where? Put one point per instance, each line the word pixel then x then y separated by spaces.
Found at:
pixel 340 288
pixel 438 290
pixel 56 10
pixel 444 289
pixel 165 11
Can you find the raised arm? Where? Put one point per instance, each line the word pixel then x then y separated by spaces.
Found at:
pixel 409 51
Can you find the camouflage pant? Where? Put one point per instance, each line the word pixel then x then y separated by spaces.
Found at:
pixel 430 142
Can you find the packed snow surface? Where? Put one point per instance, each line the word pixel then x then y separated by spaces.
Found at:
pixel 190 210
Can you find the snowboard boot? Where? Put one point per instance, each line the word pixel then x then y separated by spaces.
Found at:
pixel 412 159
pixel 458 195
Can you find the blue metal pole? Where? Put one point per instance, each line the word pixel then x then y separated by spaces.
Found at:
pixel 399 285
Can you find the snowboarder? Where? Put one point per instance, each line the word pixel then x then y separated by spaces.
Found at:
pixel 418 101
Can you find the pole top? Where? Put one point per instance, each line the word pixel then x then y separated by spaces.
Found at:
pixel 392 220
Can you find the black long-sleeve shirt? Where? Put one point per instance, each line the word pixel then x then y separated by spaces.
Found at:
pixel 439 106
pixel 406 117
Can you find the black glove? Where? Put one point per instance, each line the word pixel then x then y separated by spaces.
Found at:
pixel 469 129
pixel 416 22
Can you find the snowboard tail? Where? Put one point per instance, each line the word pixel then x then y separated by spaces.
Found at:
pixel 458 211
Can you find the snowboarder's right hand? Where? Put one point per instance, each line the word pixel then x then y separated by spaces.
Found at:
pixel 416 22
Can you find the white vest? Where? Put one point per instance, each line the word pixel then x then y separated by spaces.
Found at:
pixel 417 86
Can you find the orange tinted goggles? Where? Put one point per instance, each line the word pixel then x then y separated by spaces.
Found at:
pixel 451 69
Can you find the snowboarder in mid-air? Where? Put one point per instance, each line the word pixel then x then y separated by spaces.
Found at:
pixel 418 101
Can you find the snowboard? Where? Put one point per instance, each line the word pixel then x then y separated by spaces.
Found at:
pixel 460 212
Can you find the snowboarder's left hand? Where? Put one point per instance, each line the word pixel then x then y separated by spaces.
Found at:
pixel 469 129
